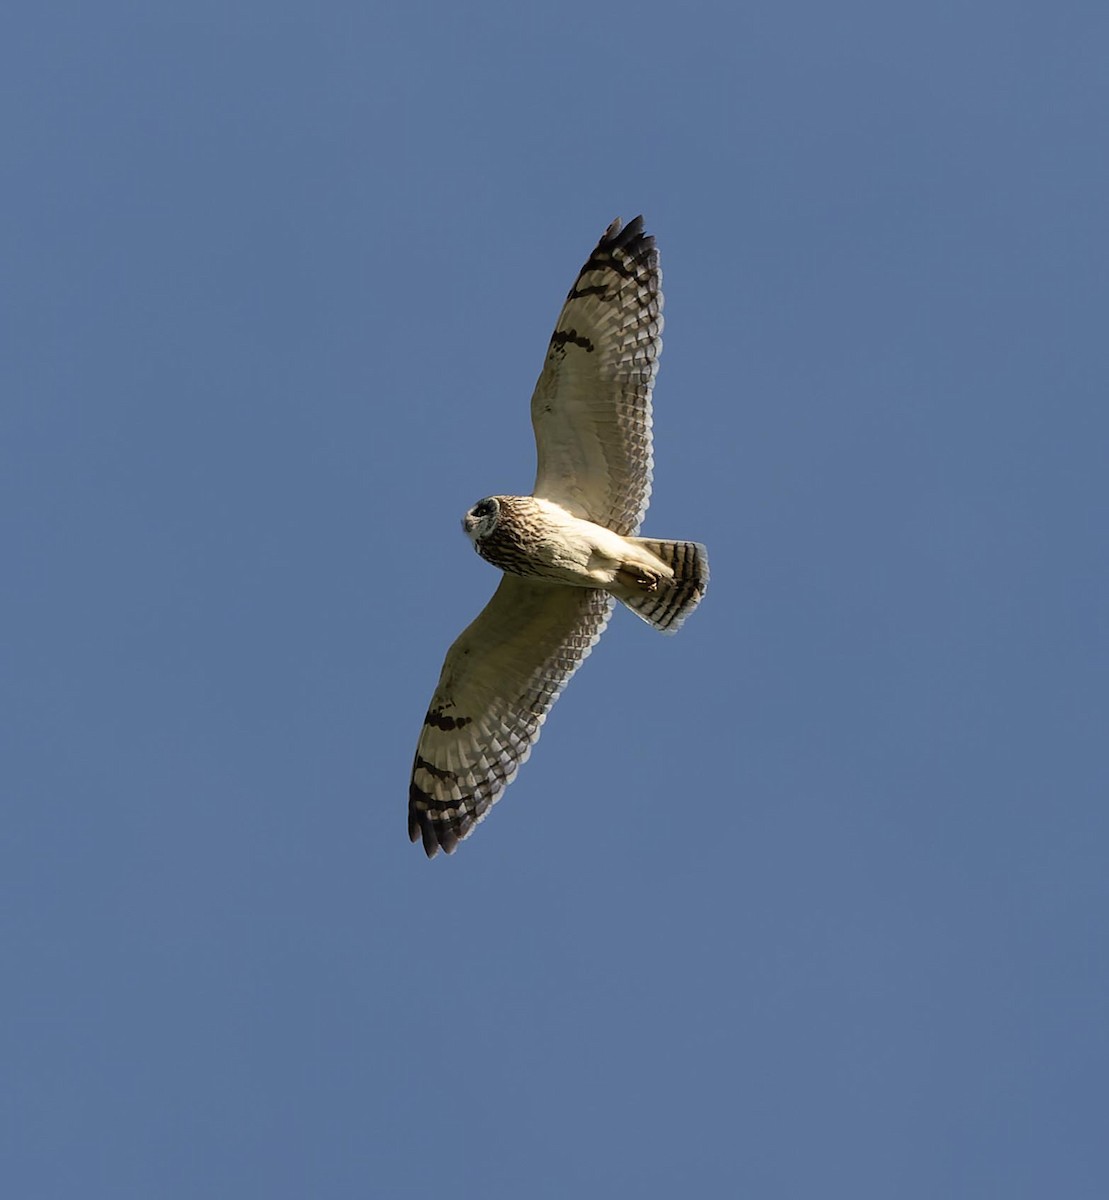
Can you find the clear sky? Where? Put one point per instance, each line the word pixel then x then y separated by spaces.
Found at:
pixel 811 900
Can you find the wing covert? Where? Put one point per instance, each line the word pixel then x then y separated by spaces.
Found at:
pixel 591 409
pixel 498 683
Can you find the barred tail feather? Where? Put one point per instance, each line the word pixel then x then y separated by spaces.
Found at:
pixel 672 601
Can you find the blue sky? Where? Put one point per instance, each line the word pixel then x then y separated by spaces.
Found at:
pixel 808 901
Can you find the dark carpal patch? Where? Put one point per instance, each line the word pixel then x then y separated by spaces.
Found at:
pixel 561 336
pixel 440 720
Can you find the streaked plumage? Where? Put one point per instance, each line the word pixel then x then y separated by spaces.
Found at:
pixel 566 551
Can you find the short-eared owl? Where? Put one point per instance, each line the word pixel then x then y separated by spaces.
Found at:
pixel 566 550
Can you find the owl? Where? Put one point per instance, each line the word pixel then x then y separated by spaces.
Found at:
pixel 567 553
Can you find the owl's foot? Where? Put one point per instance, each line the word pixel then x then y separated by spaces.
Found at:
pixel 642 578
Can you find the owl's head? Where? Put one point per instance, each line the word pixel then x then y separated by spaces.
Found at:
pixel 482 519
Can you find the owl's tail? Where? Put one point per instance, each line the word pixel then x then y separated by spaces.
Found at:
pixel 667 603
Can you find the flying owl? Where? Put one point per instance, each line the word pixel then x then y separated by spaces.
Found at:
pixel 567 551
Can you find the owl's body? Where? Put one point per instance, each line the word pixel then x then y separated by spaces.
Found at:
pixel 538 539
pixel 566 551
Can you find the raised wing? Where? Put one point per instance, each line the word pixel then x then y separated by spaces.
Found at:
pixel 499 681
pixel 591 409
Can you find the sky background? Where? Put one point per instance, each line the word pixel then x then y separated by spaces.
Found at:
pixel 811 900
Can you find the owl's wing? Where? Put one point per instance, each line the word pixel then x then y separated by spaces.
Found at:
pixel 591 408
pixel 499 680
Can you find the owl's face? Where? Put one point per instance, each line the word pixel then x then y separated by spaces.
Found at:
pixel 482 519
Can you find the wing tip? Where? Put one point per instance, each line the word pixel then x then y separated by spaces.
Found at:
pixel 435 835
pixel 630 237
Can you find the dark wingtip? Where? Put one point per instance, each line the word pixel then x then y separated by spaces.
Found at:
pixel 440 839
pixel 620 237
pixel 418 831
pixel 435 837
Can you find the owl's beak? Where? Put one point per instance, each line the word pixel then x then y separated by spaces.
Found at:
pixel 468 524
